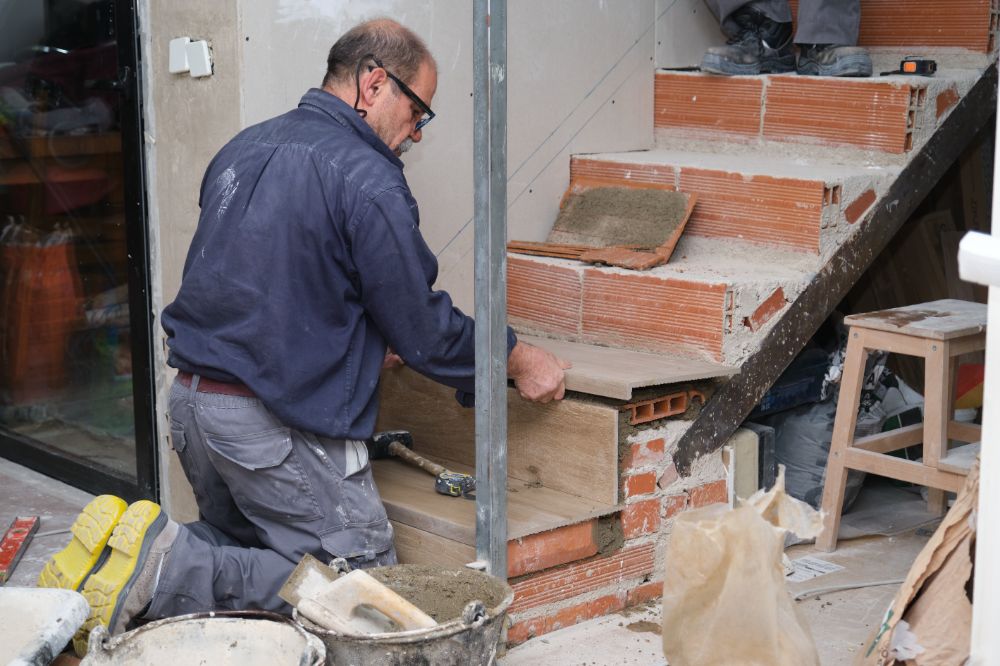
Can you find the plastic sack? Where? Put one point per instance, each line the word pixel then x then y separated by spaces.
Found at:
pixel 724 594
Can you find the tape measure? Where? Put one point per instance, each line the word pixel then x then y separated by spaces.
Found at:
pixel 456 485
pixel 914 66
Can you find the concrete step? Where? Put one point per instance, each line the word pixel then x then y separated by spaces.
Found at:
pixel 919 24
pixel 709 302
pixel 796 203
pixel 881 115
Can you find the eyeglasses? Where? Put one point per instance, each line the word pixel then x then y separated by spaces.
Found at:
pixel 421 104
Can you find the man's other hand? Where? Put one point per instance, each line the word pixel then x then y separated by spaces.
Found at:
pixel 392 360
pixel 537 373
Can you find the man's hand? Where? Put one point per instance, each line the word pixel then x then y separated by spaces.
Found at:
pixel 537 373
pixel 392 360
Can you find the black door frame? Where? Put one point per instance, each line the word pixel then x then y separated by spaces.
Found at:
pixel 65 466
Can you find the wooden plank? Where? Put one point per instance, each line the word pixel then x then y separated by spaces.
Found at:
pixel 615 373
pixel 965 432
pixel 937 320
pixel 409 498
pixel 960 459
pixel 570 446
pixel 886 442
pixel 903 470
pixel 735 399
pixel 415 546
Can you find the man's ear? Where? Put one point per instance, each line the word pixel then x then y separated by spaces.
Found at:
pixel 372 83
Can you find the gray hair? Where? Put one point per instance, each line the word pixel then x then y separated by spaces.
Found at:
pixel 399 49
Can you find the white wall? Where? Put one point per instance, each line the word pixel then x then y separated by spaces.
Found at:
pixel 580 79
pixel 684 29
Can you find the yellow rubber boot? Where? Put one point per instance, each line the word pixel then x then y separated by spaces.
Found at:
pixel 107 588
pixel 69 568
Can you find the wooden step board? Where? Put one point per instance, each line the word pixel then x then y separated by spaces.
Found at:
pixel 430 525
pixel 615 373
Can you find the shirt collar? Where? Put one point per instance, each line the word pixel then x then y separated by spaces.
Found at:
pixel 340 111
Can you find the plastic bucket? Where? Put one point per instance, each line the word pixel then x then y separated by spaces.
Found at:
pixel 243 638
pixel 469 606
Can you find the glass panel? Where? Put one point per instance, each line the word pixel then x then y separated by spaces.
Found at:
pixel 65 357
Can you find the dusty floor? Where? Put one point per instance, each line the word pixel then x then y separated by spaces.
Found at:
pixel 841 621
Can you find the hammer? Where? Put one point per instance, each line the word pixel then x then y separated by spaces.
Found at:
pixel 399 443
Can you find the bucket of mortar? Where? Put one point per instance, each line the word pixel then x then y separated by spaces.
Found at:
pixel 469 606
pixel 240 638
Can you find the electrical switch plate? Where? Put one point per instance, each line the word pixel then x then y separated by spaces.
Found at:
pixel 199 58
pixel 178 55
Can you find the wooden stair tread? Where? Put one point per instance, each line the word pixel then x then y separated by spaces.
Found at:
pixel 937 320
pixel 615 373
pixel 409 498
pixel 960 459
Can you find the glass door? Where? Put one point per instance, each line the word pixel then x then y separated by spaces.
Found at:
pixel 76 389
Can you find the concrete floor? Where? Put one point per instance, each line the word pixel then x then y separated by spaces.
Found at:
pixel 841 622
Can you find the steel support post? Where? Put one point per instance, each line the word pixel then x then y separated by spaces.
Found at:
pixel 490 157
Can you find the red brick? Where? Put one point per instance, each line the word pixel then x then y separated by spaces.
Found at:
pixel 644 453
pixel 859 206
pixel 567 617
pixel 543 296
pixel 770 307
pixel 645 592
pixel 641 518
pixel 552 548
pixel 710 493
pixel 674 505
pixel 640 484
pixel 647 312
pixel 781 212
pixel 946 100
pixel 865 114
pixel 668 477
pixel 711 104
pixel 583 577
pixel 584 173
pixel 519 632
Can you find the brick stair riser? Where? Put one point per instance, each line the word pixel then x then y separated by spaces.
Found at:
pixel 803 215
pixel 890 117
pixel 923 24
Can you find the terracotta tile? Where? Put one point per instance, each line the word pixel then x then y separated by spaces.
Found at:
pixel 946 100
pixel 859 206
pixel 862 113
pixel 925 23
pixel 782 212
pixel 640 484
pixel 705 102
pixel 576 579
pixel 600 173
pixel 552 548
pixel 770 307
pixel 543 296
pixel 646 312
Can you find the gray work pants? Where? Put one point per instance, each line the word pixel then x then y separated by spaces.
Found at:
pixel 819 21
pixel 267 495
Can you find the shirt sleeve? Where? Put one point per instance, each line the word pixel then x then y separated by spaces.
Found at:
pixel 397 271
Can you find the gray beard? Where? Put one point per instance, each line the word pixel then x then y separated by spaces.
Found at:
pixel 405 146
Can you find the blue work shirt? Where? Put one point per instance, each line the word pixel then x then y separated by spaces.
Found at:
pixel 306 262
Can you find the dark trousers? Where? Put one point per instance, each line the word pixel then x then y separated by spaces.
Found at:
pixel 819 21
pixel 267 495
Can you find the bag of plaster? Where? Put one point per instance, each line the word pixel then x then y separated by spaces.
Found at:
pixel 724 596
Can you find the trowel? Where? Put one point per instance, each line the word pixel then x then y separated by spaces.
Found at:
pixel 349 603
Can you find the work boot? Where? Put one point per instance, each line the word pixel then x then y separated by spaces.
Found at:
pixel 761 46
pixel 87 548
pixel 122 589
pixel 831 60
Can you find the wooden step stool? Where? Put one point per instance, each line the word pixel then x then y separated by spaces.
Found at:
pixel 939 331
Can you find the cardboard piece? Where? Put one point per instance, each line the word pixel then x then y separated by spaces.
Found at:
pixel 930 620
pixel 724 594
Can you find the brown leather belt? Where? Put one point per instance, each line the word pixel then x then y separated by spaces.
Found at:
pixel 206 385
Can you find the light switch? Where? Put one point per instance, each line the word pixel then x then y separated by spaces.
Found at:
pixel 199 58
pixel 178 55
